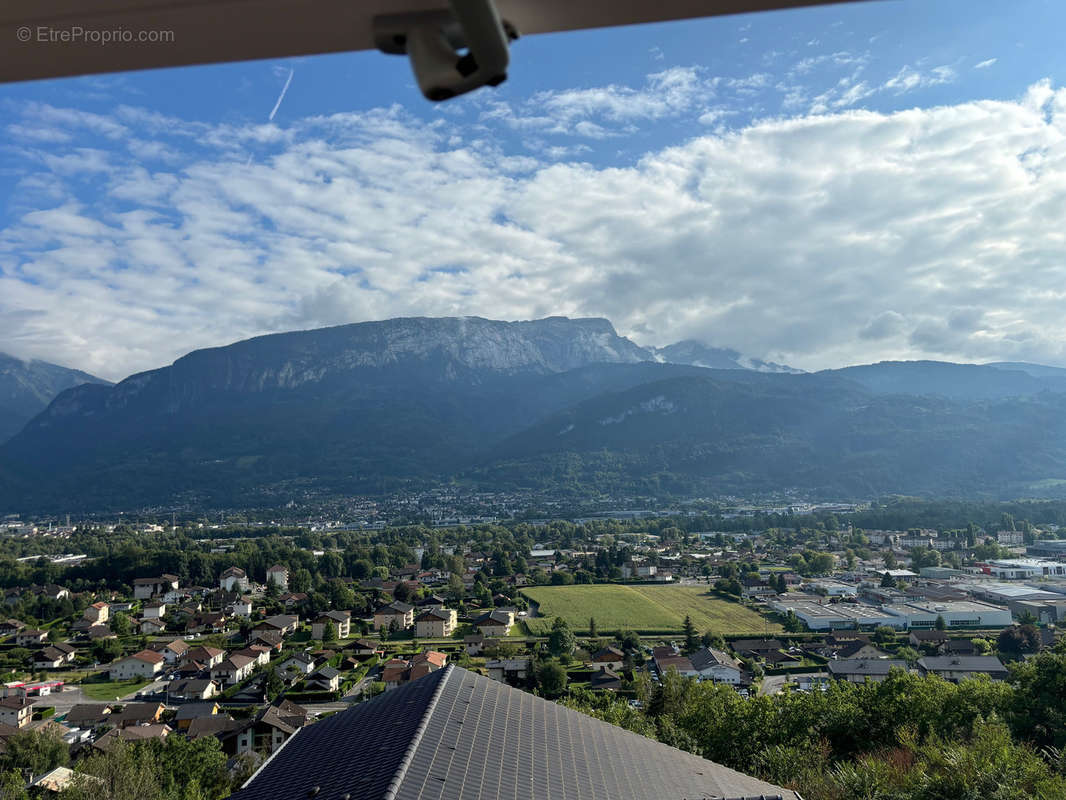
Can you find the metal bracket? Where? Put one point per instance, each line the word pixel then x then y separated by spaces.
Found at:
pixel 435 42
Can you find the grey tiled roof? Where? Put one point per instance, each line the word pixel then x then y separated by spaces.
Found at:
pixel 454 735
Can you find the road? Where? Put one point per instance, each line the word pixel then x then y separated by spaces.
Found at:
pixel 772 684
pixel 65 700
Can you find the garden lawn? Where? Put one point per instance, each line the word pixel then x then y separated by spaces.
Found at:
pixel 647 608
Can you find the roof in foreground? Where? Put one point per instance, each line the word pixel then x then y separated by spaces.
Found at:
pixel 454 734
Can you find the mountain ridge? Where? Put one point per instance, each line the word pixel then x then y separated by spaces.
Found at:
pixel 369 408
pixel 27 387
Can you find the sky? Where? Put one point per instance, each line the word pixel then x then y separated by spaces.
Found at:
pixel 817 187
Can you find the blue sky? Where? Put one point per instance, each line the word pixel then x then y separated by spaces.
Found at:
pixel 818 187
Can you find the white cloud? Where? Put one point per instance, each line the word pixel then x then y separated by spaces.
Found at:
pixel 909 79
pixel 988 62
pixel 816 240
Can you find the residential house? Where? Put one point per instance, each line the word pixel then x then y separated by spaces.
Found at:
pixel 861 670
pixel 293 600
pixel 191 690
pixel 756 648
pixel 514 671
pixel 241 607
pixel 665 662
pixel 98 632
pixel 257 652
pixel 268 638
pixel 144 664
pixel 10 626
pixel 15 711
pixel 207 656
pixel 427 662
pixel 933 638
pixel 298 663
pixel 134 714
pixel 609 657
pixel 364 648
pixel 285 624
pixel 97 613
pixel 175 650
pixel 30 636
pixel 151 626
pixel 207 622
pixel 233 670
pixel 279 576
pixel 55 780
pixel 497 622
pixel 323 679
pixel 133 733
pixel 636 569
pixel 88 716
pixel 958 668
pixel 475 644
pixel 605 680
pixel 234 579
pixel 342 623
pixel 397 671
pixel 855 648
pixel 147 588
pixel 190 711
pixel 154 609
pixel 958 647
pixel 54 656
pixel 717 666
pixel 435 623
pixel 397 614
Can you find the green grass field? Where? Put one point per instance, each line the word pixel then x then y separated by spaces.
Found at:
pixel 110 690
pixel 642 608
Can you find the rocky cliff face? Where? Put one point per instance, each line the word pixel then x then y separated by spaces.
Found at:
pixel 441 349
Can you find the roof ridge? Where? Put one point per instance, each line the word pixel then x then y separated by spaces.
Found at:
pixel 405 762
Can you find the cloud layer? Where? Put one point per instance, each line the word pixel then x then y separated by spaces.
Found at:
pixel 834 236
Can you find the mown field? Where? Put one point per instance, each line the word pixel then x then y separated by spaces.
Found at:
pixel 642 608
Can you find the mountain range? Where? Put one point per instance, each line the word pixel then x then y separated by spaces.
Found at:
pixel 27 387
pixel 559 405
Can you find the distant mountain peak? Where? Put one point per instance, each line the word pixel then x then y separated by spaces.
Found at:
pixel 700 354
pixel 27 386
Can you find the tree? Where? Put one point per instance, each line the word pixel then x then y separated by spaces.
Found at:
pixel 940 624
pixel 35 751
pixel 272 684
pixel 890 559
pixel 782 583
pixel 592 628
pixel 1019 639
pixel 792 623
pixel 120 624
pixel 106 650
pixel 551 679
pixel 456 589
pixel 692 640
pixel 884 634
pixel 402 592
pixel 329 632
pixel 629 641
pixel 712 639
pixel 887 581
pixel 908 654
pixel 300 580
pixel 561 639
